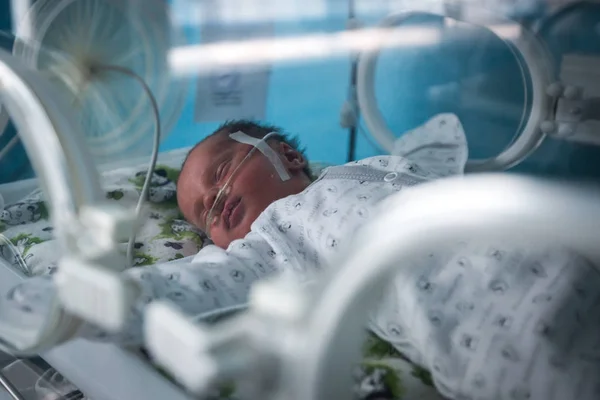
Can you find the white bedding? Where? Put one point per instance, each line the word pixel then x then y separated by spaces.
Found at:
pixel 163 237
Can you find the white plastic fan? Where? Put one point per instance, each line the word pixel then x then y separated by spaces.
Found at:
pixel 109 58
pixel 75 41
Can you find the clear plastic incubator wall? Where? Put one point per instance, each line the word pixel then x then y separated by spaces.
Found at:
pixel 430 170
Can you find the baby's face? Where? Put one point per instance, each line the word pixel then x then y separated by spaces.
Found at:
pixel 253 188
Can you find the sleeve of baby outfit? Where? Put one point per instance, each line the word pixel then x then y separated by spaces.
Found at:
pixel 213 279
pixel 439 146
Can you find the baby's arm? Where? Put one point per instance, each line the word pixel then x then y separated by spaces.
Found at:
pixel 211 280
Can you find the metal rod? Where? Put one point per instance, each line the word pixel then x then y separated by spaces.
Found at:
pixel 11 143
pixel 10 388
pixel 21 19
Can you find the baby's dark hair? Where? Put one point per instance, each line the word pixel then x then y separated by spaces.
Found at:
pixel 259 130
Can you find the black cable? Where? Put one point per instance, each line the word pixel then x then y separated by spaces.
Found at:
pixel 353 131
pixel 352 92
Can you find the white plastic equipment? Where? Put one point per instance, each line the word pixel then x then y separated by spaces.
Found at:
pixel 72 43
pixel 70 182
pixel 88 58
pixel 537 65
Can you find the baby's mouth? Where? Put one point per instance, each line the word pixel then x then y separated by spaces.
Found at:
pixel 230 205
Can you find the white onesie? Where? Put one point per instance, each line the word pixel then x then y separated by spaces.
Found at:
pixel 489 321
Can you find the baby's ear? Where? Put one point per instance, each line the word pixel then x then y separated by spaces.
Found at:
pixel 292 158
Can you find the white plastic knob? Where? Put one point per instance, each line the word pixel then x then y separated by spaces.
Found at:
pixel 95 294
pixel 113 221
pixel 180 346
pixel 566 129
pixel 555 89
pixel 572 92
pixel 548 127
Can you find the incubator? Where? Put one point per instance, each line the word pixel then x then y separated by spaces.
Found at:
pixel 101 102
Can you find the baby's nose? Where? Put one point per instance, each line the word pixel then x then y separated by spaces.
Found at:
pixel 210 198
pixel 216 198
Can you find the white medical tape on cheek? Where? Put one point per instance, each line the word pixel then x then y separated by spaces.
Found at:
pixel 265 149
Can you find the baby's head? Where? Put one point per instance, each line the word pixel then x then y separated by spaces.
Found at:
pixel 253 188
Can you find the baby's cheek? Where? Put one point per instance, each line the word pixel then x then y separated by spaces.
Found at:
pixel 244 227
pixel 258 196
pixel 258 171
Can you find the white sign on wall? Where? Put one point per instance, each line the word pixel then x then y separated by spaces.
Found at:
pixel 233 93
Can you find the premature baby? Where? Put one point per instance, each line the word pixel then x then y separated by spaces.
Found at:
pixel 489 321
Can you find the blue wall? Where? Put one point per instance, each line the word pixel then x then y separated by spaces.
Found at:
pixel 305 98
pixel 15 165
pixel 412 85
pixel 4 14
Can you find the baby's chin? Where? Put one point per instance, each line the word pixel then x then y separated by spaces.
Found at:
pixel 241 230
pixel 224 240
